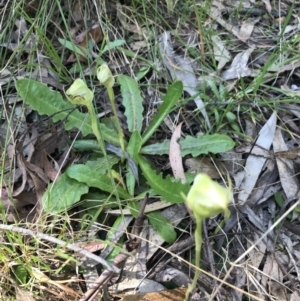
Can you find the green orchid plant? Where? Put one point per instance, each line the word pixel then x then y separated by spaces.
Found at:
pixel 106 79
pixel 80 94
pixel 205 198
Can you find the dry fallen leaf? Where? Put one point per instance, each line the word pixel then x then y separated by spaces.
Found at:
pixel 93 34
pixel 181 68
pixel 222 55
pixel 239 66
pixel 177 294
pixel 204 165
pixel 175 155
pixel 289 182
pixel 246 30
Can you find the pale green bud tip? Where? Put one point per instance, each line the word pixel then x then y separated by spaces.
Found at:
pixel 105 76
pixel 80 93
pixel 206 197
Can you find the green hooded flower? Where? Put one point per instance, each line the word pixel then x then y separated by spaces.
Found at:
pixel 206 197
pixel 80 93
pixel 105 76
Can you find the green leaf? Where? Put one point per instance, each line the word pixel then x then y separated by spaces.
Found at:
pixel 20 274
pixel 71 46
pixel 133 149
pixel 92 178
pixel 162 226
pixel 111 237
pixel 112 45
pixel 215 143
pixel 49 103
pixel 134 208
pixel 63 194
pixel 168 190
pixel 170 99
pixel 134 145
pixel 102 165
pixel 132 101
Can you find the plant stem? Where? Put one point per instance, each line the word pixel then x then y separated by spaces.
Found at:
pixel 95 127
pixel 198 242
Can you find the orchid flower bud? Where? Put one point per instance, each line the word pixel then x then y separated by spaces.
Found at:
pixel 105 76
pixel 206 197
pixel 80 93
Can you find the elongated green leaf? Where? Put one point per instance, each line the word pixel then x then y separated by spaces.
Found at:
pixel 111 237
pixel 133 149
pixel 49 103
pixel 215 144
pixel 63 194
pixel 92 178
pixel 112 45
pixel 169 191
pixel 71 46
pixel 134 145
pixel 132 101
pixel 162 226
pixel 170 99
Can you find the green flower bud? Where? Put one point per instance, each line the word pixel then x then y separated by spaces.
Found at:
pixel 105 76
pixel 80 93
pixel 206 197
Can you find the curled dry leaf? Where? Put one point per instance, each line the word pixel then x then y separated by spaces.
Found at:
pixel 246 30
pixel 239 66
pixel 196 165
pixel 50 171
pixel 175 155
pixel 222 55
pixel 94 246
pixel 177 294
pixel 94 35
pixel 289 182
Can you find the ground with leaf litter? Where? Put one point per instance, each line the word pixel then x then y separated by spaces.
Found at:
pixel 197 86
